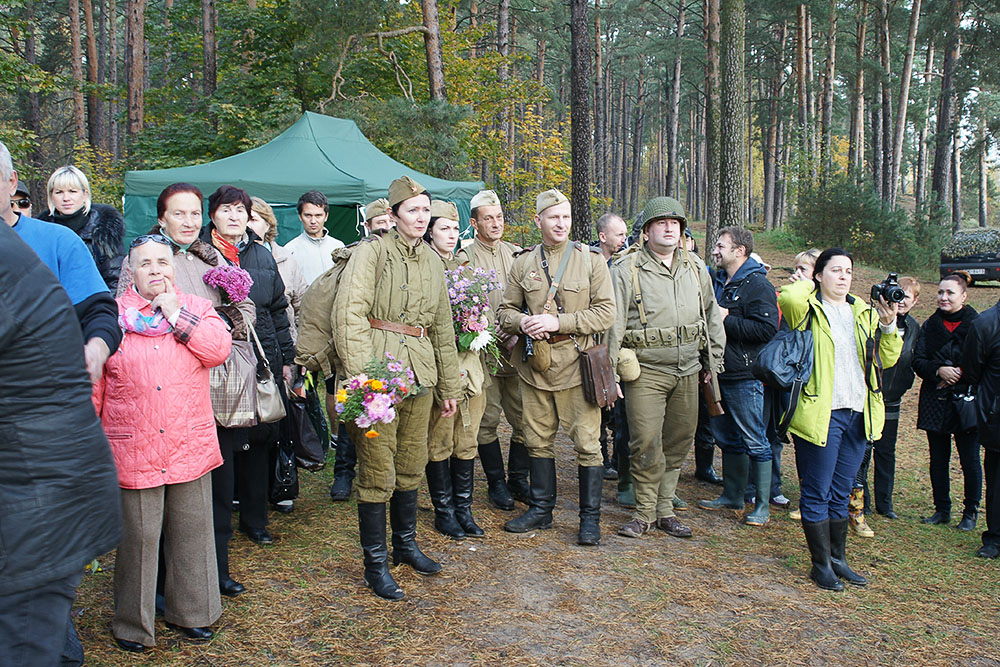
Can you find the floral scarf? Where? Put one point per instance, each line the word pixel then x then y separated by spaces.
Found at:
pixel 133 321
pixel 228 250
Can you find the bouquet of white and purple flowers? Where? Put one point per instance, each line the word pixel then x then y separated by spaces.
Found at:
pixel 468 291
pixel 233 281
pixel 369 398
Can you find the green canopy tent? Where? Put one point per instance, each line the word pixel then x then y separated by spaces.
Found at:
pixel 316 153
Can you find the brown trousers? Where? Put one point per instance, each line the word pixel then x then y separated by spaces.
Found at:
pixel 183 513
pixel 456 435
pixel 503 392
pixel 546 411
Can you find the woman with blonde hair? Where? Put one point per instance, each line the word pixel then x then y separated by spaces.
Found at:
pixel 265 225
pixel 101 227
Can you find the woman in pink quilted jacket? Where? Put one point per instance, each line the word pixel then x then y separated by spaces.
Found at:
pixel 154 403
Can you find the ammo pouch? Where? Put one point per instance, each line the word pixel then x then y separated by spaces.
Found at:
pixel 541 359
pixel 664 336
pixel 598 377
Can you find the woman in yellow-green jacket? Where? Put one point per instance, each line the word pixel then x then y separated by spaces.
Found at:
pixel 840 407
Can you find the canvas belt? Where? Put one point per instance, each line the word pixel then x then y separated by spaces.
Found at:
pixel 396 327
pixel 663 336
pixel 558 338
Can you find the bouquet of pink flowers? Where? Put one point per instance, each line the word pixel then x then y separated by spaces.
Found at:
pixel 233 281
pixel 468 291
pixel 369 398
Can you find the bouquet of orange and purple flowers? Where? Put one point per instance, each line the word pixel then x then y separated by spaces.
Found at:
pixel 468 292
pixel 369 398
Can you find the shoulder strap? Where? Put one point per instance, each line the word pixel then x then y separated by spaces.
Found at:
pixel 636 292
pixel 554 283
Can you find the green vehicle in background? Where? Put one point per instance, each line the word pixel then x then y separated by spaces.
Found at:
pixel 977 252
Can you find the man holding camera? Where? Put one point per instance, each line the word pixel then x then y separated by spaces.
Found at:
pixel 749 310
pixel 558 294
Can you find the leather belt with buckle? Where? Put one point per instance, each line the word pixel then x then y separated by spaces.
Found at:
pixel 396 327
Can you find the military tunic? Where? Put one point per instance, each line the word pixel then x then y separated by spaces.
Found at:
pixel 662 404
pixel 504 392
pixel 555 397
pixel 411 290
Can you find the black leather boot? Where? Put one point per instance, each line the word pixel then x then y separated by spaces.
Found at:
pixel 591 478
pixel 704 456
pixel 497 491
pixel 439 485
pixel 403 518
pixel 461 487
pixel 968 522
pixel 517 472
pixel 371 526
pixel 838 559
pixel 818 539
pixel 543 498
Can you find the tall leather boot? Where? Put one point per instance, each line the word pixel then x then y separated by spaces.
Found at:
pixel 856 513
pixel 343 466
pixel 818 539
pixel 462 481
pixel 497 491
pixel 403 518
pixel 735 468
pixel 517 472
pixel 704 455
pixel 591 478
pixel 838 559
pixel 543 498
pixel 371 526
pixel 761 507
pixel 439 486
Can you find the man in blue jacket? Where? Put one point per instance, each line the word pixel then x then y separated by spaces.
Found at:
pixel 749 309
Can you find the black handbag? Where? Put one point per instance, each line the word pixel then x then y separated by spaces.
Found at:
pixel 285 476
pixel 786 362
pixel 966 410
pixel 309 450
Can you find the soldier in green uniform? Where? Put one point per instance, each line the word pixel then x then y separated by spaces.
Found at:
pixel 489 251
pixel 581 309
pixel 452 440
pixel 667 315
pixel 404 311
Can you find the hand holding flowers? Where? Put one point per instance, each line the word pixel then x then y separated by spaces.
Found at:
pixel 369 398
pixel 468 292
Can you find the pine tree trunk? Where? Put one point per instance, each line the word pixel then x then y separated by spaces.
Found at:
pixel 771 141
pixel 713 120
pixel 902 103
pixel 673 110
pixel 811 100
pixel 34 111
pixel 956 186
pixel 600 157
pixel 801 80
pixel 135 41
pixel 983 174
pixel 79 117
pixel 94 110
pixel 825 151
pixel 208 58
pixel 920 185
pixel 876 122
pixel 115 130
pixel 856 145
pixel 732 140
pixel 945 128
pixel 432 45
pixel 580 125
pixel 886 111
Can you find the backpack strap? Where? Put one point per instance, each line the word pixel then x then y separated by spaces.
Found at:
pixel 797 384
pixel 636 291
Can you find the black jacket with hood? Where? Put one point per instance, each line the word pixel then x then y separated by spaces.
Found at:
pixel 753 316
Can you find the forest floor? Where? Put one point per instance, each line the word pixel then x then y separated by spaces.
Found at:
pixel 731 595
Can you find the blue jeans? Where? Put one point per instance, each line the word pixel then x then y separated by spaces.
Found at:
pixel 743 427
pixel 827 474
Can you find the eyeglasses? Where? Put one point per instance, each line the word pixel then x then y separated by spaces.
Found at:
pixel 21 203
pixel 146 238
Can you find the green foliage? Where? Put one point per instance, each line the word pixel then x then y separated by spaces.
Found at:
pixel 851 216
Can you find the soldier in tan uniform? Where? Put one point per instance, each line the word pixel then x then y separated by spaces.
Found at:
pixel 666 311
pixel 491 252
pixel 452 440
pixel 404 311
pixel 583 309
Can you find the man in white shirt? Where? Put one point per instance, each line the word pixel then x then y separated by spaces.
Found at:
pixel 313 247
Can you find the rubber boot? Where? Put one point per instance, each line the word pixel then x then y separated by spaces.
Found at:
pixel 625 495
pixel 838 559
pixel 439 486
pixel 761 507
pixel 591 479
pixel 856 513
pixel 818 539
pixel 461 487
pixel 371 526
pixel 703 468
pixel 543 498
pixel 735 468
pixel 403 518
pixel 517 472
pixel 497 491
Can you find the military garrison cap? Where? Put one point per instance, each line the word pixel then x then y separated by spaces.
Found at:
pixel 663 207
pixel 377 208
pixel 444 209
pixel 549 198
pixel 485 198
pixel 403 188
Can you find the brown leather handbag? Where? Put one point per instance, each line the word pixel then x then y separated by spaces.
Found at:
pixel 598 377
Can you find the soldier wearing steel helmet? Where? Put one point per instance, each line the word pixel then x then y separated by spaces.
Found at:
pixel 667 318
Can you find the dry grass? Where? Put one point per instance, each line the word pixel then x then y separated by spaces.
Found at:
pixel 731 595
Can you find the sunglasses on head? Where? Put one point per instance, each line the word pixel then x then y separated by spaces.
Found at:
pixel 21 203
pixel 146 238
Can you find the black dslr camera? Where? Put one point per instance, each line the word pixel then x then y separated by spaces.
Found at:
pixel 889 290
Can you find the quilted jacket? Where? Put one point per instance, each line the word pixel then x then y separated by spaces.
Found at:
pixel 154 397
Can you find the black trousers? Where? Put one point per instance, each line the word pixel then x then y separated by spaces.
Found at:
pixel 621 436
pixel 346 461
pixel 884 455
pixel 35 626
pixel 967 444
pixel 231 440
pixel 991 471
